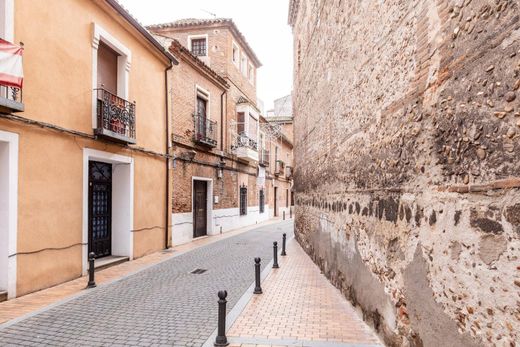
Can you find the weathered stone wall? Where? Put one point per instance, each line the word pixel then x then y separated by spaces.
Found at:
pixel 407 177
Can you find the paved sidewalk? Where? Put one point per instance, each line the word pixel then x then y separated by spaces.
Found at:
pixel 299 307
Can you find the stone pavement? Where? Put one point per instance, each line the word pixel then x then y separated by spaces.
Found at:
pixel 162 305
pixel 26 304
pixel 299 307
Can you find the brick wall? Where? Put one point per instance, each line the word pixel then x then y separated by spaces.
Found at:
pixel 406 144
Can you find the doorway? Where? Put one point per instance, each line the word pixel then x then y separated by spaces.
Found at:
pixel 200 208
pixel 100 208
pixel 275 201
pixel 8 213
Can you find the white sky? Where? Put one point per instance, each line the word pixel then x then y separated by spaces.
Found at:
pixel 263 23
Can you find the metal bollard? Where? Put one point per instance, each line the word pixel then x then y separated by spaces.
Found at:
pixel 275 255
pixel 91 259
pixel 290 213
pixel 284 238
pixel 258 288
pixel 221 339
pixel 283 215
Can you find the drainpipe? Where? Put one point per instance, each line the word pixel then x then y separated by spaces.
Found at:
pixel 168 212
pixel 222 121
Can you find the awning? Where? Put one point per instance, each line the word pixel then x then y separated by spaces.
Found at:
pixel 11 69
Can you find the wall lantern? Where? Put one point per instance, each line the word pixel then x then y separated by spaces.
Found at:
pixel 220 168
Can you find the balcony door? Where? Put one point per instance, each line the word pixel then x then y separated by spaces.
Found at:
pixel 107 68
pixel 200 208
pixel 100 209
pixel 202 117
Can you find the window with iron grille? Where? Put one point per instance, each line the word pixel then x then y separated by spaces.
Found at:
pixel 262 201
pixel 198 47
pixel 243 200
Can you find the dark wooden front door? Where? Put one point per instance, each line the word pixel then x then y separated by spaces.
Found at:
pixel 275 201
pixel 200 208
pixel 100 208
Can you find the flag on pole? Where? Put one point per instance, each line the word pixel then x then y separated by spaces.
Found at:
pixel 11 69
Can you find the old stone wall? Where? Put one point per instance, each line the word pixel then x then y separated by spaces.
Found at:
pixel 407 121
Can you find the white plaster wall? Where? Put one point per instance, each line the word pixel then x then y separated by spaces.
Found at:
pixel 223 220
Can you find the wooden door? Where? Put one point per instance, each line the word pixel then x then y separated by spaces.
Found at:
pixel 200 208
pixel 275 201
pixel 100 209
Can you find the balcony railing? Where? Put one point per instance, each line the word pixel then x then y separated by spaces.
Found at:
pixel 11 99
pixel 243 140
pixel 115 117
pixel 205 131
pixel 279 167
pixel 263 157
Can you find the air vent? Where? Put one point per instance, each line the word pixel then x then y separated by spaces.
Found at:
pixel 198 271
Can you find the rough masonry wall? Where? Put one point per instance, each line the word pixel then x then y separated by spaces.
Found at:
pixel 407 121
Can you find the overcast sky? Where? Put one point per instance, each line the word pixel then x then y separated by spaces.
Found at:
pixel 263 23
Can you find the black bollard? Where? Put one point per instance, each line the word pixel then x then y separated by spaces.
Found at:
pixel 290 213
pixel 284 237
pixel 258 289
pixel 283 215
pixel 275 255
pixel 91 259
pixel 221 339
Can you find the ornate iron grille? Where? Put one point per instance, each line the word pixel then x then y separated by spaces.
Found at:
pixel 205 131
pixel 243 140
pixel 11 98
pixel 243 200
pixel 198 47
pixel 262 201
pixel 100 208
pixel 115 117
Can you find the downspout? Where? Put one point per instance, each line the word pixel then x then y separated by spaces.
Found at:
pixel 222 121
pixel 168 212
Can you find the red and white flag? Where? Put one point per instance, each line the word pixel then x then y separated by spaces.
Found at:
pixel 11 70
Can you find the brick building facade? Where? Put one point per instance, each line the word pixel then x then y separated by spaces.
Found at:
pixel 408 174
pixel 220 181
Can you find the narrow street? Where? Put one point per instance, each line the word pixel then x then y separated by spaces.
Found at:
pixel 162 305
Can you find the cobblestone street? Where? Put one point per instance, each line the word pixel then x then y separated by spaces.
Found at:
pixel 161 305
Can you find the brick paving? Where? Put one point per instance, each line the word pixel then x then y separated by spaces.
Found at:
pixel 299 307
pixel 163 305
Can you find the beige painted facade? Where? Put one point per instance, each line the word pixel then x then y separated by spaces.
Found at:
pixel 52 158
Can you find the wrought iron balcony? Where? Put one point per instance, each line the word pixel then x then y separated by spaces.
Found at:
pixel 205 131
pixel 10 99
pixel 245 141
pixel 115 117
pixel 279 167
pixel 263 157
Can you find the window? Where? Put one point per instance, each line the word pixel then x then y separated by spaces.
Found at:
pixel 243 65
pixel 253 126
pixel 236 55
pixel 243 200
pixel 262 201
pixel 199 47
pixel 251 73
pixel 241 123
pixel 287 198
